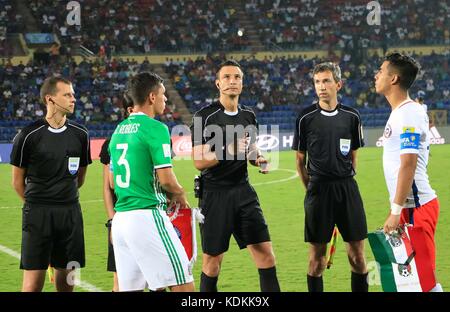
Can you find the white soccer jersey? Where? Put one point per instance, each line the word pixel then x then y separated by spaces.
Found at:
pixel 407 132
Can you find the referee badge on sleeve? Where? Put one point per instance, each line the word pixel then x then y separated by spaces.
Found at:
pixel 74 164
pixel 344 145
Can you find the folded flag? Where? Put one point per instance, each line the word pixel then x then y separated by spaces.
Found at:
pixel 403 260
pixel 183 221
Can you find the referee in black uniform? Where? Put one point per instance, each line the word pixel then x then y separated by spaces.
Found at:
pixel 49 159
pixel 109 197
pixel 223 136
pixel 328 135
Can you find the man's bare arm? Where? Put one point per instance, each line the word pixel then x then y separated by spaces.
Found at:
pixel 169 183
pixel 18 181
pixel 354 159
pixel 203 157
pixel 81 176
pixel 301 168
pixel 107 192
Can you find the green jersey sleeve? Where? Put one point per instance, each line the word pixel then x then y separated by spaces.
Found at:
pixel 160 148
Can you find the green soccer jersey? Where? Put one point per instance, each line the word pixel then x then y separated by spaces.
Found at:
pixel 138 147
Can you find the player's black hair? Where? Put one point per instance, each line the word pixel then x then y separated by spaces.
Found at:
pixel 405 67
pixel 140 86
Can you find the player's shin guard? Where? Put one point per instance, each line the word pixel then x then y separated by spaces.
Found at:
pixel 359 282
pixel 315 284
pixel 268 280
pixel 207 283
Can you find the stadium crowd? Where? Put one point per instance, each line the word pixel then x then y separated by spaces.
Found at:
pixel 99 87
pixel 300 24
pixel 144 26
pixel 287 81
pixel 147 26
pixel 276 88
pixel 11 21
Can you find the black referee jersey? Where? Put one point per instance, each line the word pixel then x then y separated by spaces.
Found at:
pixel 328 137
pixel 230 171
pixel 52 158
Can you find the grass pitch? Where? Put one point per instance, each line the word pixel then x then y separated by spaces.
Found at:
pixel 281 196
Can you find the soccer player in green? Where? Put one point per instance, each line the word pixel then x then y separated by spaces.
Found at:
pixel 148 252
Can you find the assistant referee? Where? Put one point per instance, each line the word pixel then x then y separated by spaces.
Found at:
pixel 49 161
pixel 327 136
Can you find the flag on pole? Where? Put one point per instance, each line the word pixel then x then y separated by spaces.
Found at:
pixel 332 247
pixel 403 260
pixel 51 274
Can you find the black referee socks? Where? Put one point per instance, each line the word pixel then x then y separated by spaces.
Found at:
pixel 359 282
pixel 315 284
pixel 268 280
pixel 208 284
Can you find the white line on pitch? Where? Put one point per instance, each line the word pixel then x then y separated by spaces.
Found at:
pixel 82 284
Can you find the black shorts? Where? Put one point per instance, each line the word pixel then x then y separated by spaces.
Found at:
pixel 330 203
pixel 52 235
pixel 111 266
pixel 231 211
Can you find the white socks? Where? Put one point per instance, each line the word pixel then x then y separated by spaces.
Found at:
pixel 437 288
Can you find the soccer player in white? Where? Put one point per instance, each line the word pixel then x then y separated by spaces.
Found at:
pixel 406 150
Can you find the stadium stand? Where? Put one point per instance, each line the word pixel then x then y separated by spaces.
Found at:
pixel 276 87
pixel 303 24
pixel 99 87
pixel 145 26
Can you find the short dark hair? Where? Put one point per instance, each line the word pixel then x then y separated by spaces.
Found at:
pixel 49 86
pixel 405 67
pixel 228 63
pixel 127 101
pixel 140 85
pixel 331 67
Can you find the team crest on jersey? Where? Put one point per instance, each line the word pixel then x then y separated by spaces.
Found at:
pixel 387 131
pixel 73 165
pixel 344 146
pixel 395 240
pixel 404 270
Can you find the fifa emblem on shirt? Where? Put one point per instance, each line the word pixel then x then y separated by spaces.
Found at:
pixel 344 145
pixel 73 165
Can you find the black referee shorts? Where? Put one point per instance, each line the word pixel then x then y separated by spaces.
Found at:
pixel 330 203
pixel 52 235
pixel 231 211
pixel 111 265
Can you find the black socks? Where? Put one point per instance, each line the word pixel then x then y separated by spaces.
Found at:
pixel 208 284
pixel 315 284
pixel 268 280
pixel 359 282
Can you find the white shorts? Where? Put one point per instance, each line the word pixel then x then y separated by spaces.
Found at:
pixel 147 251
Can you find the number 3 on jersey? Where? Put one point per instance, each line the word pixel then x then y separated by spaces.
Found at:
pixel 123 162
